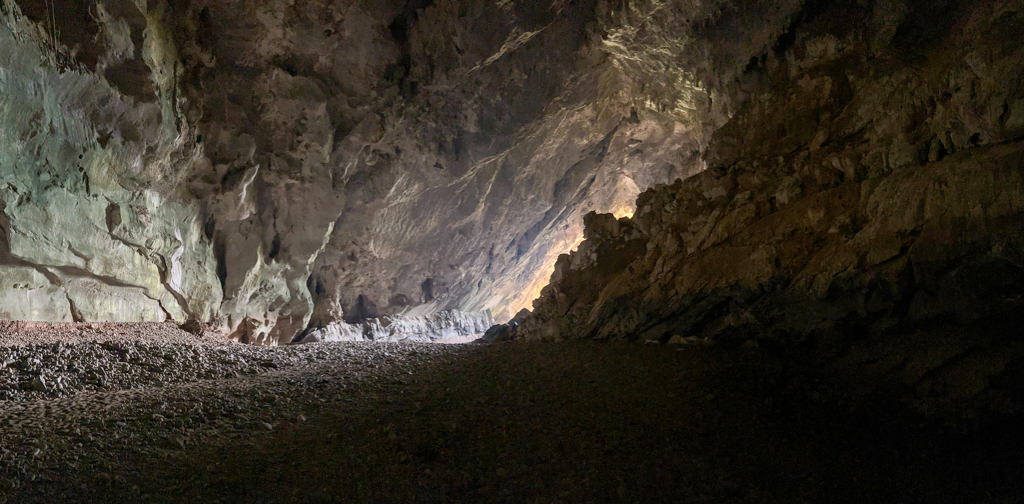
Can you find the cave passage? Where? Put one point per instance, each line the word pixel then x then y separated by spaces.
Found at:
pixel 682 250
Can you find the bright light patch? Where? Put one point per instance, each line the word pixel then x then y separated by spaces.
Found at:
pixel 624 211
pixel 533 291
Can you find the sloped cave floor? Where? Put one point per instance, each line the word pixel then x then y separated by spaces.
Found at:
pixel 509 422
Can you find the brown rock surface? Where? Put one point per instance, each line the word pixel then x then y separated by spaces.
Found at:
pixel 862 213
pixel 270 171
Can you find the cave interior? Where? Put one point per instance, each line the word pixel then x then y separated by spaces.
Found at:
pixel 515 251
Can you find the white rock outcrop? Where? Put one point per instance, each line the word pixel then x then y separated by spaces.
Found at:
pixel 445 326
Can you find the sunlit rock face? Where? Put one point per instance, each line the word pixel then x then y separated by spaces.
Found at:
pixel 861 216
pixel 272 169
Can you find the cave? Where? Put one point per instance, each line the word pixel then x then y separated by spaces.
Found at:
pixel 511 251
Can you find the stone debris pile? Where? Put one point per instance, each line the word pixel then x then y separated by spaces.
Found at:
pixel 64 369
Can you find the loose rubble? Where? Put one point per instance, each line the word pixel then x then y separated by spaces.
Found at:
pixel 62 369
pixel 75 358
pixel 73 410
pixel 409 422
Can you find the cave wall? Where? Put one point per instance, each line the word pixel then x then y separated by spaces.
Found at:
pixel 91 225
pixel 275 168
pixel 861 215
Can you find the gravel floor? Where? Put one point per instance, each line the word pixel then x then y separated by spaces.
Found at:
pixel 397 422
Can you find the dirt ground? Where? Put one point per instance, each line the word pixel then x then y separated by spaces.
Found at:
pixel 358 422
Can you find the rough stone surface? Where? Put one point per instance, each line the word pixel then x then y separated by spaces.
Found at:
pixel 407 422
pixel 845 240
pixel 335 167
pixel 279 168
pixel 862 213
pixel 444 327
pixel 272 170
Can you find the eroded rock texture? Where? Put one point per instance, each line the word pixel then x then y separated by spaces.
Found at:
pixel 863 213
pixel 275 167
pixel 94 151
pixel 449 326
pixel 271 169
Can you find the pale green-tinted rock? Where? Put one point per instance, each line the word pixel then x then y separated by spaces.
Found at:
pixel 95 301
pixel 26 294
pixel 224 179
pixel 76 157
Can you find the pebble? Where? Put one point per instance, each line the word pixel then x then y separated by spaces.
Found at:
pixel 108 366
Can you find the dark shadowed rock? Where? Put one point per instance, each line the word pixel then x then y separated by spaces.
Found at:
pixel 193 326
pixel 858 217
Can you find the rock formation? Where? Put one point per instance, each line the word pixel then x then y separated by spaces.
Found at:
pixel 291 165
pixel 446 326
pixel 267 171
pixel 862 213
